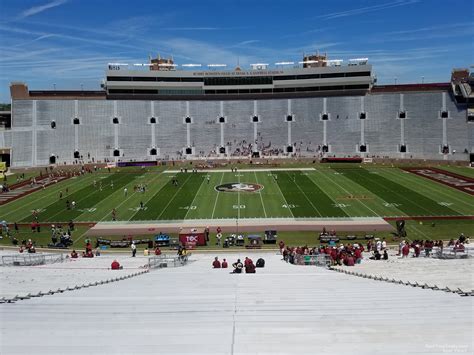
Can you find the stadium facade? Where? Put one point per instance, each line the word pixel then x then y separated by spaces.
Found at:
pixel 319 108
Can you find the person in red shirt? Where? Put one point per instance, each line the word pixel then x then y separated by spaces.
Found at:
pixel 405 250
pixel 115 265
pixel 224 264
pixel 281 244
pixel 216 263
pixel 358 255
pixel 349 260
pixel 74 254
pixel 249 266
pixel 219 230
pixel 157 251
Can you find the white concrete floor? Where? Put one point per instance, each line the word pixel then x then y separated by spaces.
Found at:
pixel 282 309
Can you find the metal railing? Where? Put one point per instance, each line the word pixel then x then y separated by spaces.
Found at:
pixel 31 259
pixel 323 260
pixel 452 253
pixel 164 260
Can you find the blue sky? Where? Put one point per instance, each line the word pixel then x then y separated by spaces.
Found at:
pixel 69 42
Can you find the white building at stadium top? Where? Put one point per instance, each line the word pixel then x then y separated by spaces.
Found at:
pixel 314 74
pixel 419 121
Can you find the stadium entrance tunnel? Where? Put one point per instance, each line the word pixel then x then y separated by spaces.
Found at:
pixel 52 159
pixel 5 156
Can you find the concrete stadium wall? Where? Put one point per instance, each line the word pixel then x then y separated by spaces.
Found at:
pixel 33 140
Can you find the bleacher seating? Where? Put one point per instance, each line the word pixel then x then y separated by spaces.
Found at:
pixel 34 141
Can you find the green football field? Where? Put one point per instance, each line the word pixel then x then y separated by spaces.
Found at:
pixel 322 192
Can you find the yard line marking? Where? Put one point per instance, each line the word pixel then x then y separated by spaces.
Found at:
pixel 333 181
pixel 428 186
pixel 260 193
pixel 197 193
pixel 217 197
pixel 149 198
pixel 131 195
pixel 82 199
pixel 298 186
pixel 59 188
pixel 171 199
pixel 404 198
pixel 238 201
pixel 284 199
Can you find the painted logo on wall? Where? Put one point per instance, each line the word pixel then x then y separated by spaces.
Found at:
pixel 239 187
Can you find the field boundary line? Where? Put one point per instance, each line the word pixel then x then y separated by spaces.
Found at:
pixel 337 184
pixel 299 188
pixel 284 198
pixel 171 199
pixel 260 193
pixel 242 170
pixel 217 197
pixel 195 195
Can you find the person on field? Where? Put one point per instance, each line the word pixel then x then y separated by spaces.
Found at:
pixel 134 249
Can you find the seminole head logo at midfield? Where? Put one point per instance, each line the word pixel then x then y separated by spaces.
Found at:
pixel 239 187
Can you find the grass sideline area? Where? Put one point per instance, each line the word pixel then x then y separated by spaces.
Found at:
pixel 428 229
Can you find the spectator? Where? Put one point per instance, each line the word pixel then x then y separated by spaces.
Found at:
pixel 74 254
pixel 238 266
pixel 249 266
pixel 405 250
pixel 116 265
pixel 134 249
pixel 216 264
pixel 145 252
pixel 385 255
pixel 157 251
pixel 224 264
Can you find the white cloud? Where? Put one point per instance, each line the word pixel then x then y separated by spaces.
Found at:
pixel 37 9
pixel 363 10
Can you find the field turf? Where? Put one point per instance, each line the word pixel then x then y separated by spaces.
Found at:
pixel 340 191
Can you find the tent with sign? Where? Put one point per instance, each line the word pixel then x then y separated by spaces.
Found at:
pixel 193 237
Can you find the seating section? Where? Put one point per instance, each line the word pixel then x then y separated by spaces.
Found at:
pixel 34 139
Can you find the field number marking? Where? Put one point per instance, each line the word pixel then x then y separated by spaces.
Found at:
pixel 188 208
pixel 340 205
pixel 89 210
pixel 445 204
pixel 391 204
pixel 136 209
pixel 289 206
pixel 238 207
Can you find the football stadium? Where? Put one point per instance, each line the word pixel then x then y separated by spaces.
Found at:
pixel 292 207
